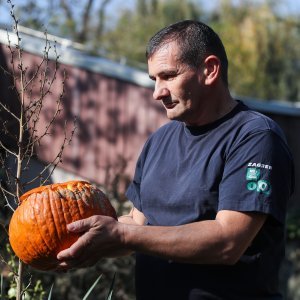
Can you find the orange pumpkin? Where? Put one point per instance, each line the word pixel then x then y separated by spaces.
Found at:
pixel 37 230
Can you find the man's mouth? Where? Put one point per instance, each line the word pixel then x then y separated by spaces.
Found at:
pixel 169 105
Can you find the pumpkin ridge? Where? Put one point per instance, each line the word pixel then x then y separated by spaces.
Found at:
pixel 84 195
pixel 80 204
pixel 55 208
pixel 96 195
pixel 68 218
pixel 51 222
pixel 41 225
pixel 102 205
pixel 65 207
pixel 72 205
pixel 19 218
pixel 54 187
pixel 35 246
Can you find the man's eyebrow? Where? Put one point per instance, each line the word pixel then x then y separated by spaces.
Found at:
pixel 163 73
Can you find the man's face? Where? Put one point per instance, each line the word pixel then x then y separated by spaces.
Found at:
pixel 179 86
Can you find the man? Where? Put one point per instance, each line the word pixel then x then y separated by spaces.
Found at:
pixel 210 187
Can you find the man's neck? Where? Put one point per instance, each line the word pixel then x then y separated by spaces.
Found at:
pixel 217 106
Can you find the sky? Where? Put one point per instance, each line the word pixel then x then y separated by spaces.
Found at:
pixel 287 6
pixel 116 6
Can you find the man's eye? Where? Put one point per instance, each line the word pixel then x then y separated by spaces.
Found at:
pixel 169 77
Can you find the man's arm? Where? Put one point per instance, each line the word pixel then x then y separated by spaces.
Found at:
pixel 219 241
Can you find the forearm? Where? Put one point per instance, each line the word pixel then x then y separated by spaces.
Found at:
pixel 219 241
pixel 192 243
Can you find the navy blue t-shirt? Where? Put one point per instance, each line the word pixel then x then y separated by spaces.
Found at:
pixel 186 174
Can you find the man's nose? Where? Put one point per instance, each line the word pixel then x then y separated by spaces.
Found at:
pixel 160 93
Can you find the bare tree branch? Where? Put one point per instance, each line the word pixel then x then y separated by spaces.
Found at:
pixel 8 150
pixel 5 192
pixel 101 14
pixel 32 92
pixel 82 36
pixel 67 9
pixel 9 111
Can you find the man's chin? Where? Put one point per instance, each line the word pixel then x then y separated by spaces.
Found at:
pixel 171 116
pixel 174 117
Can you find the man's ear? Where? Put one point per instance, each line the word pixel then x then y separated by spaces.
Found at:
pixel 212 69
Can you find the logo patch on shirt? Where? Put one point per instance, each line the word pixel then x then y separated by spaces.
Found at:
pixel 252 174
pixel 254 183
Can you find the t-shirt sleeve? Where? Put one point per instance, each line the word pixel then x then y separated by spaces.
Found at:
pixel 258 176
pixel 133 191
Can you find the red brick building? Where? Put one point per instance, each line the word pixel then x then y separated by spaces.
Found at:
pixel 114 109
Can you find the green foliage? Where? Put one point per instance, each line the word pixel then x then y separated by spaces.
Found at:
pixel 293 226
pixel 110 292
pixel 36 290
pixel 91 288
pixel 9 264
pixel 111 289
pixel 130 35
pixel 50 292
pixel 262 50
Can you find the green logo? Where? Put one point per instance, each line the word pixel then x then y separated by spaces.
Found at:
pixel 253 174
pixel 255 183
pixel 261 186
pixel 251 186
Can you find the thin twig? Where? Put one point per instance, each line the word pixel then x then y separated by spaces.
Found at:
pixel 4 192
pixel 27 286
pixel 8 150
pixel 55 162
pixel 9 111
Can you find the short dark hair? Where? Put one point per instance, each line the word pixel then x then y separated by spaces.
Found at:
pixel 196 41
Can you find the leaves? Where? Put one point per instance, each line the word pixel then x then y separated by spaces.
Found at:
pixel 128 38
pixel 91 288
pixel 50 292
pixel 261 49
pixel 88 293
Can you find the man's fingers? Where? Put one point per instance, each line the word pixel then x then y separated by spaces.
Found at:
pixel 75 250
pixel 64 254
pixel 68 265
pixel 81 225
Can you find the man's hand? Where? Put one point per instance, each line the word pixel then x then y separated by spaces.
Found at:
pixel 102 236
